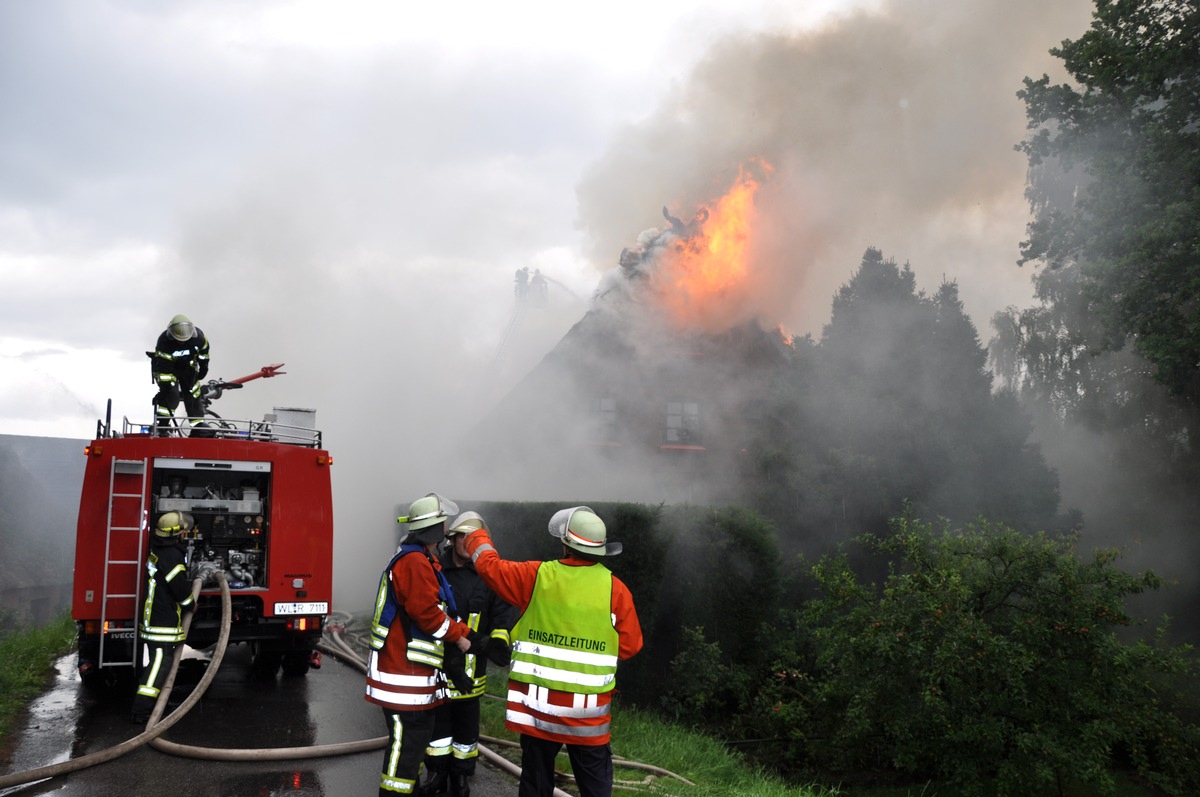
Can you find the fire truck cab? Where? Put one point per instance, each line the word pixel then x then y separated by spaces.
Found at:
pixel 261 497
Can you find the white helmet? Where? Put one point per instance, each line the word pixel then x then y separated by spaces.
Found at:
pixel 181 328
pixel 582 529
pixel 466 523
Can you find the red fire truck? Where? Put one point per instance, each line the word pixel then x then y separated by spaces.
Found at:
pixel 260 495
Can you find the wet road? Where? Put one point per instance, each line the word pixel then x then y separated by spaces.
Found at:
pixel 238 711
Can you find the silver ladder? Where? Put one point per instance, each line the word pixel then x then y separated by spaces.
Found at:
pixel 514 321
pixel 126 492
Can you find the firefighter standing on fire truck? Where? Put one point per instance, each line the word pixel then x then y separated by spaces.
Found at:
pixel 168 592
pixel 454 750
pixel 577 620
pixel 414 619
pixel 178 365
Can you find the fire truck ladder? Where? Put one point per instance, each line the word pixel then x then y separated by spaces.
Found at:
pixel 126 485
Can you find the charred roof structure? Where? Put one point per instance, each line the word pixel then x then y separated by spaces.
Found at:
pixel 630 405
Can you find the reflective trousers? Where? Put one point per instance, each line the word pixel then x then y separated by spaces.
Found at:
pixel 455 745
pixel 154 664
pixel 409 733
pixel 168 398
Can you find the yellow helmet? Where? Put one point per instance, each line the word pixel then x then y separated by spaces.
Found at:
pixel 172 524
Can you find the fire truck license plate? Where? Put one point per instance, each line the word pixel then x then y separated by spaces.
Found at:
pixel 312 607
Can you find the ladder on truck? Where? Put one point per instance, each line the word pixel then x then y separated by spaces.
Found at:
pixel 123 543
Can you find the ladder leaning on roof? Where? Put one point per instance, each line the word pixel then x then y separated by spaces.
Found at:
pixel 514 321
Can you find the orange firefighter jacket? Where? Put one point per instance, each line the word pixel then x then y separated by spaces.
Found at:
pixel 393 680
pixel 539 711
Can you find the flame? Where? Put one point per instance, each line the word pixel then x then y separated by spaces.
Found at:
pixel 703 272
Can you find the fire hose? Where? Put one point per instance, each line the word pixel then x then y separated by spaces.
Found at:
pixel 156 727
pixel 341 650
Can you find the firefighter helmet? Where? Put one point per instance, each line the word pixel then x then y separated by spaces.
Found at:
pixel 172 524
pixel 581 529
pixel 426 518
pixel 181 328
pixel 466 523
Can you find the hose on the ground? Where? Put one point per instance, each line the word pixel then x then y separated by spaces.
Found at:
pixel 153 728
pixel 156 727
pixel 339 648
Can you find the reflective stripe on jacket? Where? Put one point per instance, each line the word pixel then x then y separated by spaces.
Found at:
pixel 566 640
pixel 563 716
pixel 408 628
pixel 185 362
pixel 422 647
pixel 167 591
pixel 564 660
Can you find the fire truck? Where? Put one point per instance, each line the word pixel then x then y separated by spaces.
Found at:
pixel 260 494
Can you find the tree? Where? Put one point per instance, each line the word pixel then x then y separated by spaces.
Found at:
pixel 1114 186
pixel 907 411
pixel 1108 358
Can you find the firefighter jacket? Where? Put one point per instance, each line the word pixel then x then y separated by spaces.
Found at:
pixel 483 611
pixel 183 362
pixel 413 618
pixel 577 620
pixel 167 592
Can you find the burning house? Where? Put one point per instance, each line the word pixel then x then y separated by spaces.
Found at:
pixel 648 396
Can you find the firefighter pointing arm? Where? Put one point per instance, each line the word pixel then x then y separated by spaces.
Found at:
pixel 577 620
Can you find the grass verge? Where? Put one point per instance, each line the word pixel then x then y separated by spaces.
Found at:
pixel 26 656
pixel 712 769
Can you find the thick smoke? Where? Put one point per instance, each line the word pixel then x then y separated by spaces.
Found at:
pixel 892 129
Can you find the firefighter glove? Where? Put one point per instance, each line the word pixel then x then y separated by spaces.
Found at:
pixel 498 652
pixel 454 666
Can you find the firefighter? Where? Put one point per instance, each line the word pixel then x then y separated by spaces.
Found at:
pixel 168 593
pixel 179 364
pixel 577 619
pixel 451 756
pixel 414 618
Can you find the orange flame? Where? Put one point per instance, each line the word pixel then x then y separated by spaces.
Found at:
pixel 708 268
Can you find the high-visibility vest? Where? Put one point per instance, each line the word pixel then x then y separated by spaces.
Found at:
pixel 565 640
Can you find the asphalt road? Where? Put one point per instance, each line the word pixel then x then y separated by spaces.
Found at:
pixel 237 711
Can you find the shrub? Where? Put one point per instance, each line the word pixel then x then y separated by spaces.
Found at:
pixel 988 659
